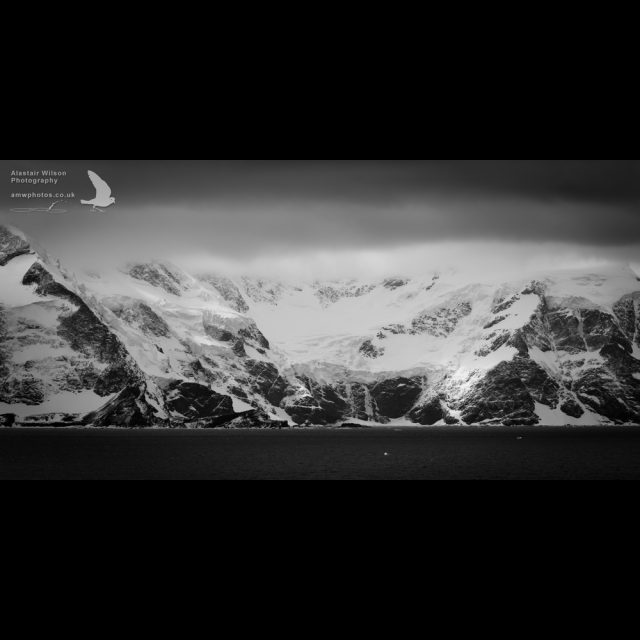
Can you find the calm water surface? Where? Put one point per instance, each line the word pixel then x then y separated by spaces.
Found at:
pixel 442 453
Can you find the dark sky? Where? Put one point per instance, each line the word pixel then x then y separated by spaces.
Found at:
pixel 237 208
pixel 157 182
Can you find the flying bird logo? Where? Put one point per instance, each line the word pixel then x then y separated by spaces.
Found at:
pixel 103 197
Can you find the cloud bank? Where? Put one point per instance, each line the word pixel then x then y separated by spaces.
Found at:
pixel 355 216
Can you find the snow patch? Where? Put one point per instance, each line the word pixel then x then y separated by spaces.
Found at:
pixel 280 414
pixel 548 360
pixel 602 289
pixel 240 406
pixel 469 368
pixel 12 292
pixel 557 418
pixel 520 312
pixel 39 352
pixel 63 402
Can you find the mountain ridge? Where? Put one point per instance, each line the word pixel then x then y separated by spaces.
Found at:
pixel 152 345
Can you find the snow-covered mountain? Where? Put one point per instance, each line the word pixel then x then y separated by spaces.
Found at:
pixel 149 344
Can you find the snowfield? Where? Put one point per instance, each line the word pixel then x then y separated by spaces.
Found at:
pixel 61 403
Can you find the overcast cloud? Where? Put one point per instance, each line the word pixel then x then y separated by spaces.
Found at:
pixel 259 211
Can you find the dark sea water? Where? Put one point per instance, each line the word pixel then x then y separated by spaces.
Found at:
pixel 442 453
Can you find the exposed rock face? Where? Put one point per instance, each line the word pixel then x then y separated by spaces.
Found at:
pixel 219 333
pixel 46 284
pixel 316 404
pixel 600 329
pixel 130 408
pixel 233 328
pixel 228 290
pixel 265 380
pixel 571 408
pixel 442 322
pixel 191 401
pixel 329 294
pixel 508 394
pixel 428 413
pixel 498 339
pixel 139 314
pixel 382 401
pixel 434 281
pixel 601 381
pixel 114 377
pixel 25 389
pixel 251 333
pixel 573 330
pixel 432 411
pixel 238 349
pixel 544 330
pixel 187 403
pixel 613 389
pixel 627 311
pixel 12 245
pixel 535 287
pixel 158 275
pixel 259 290
pixel 564 330
pixel 494 322
pixel 394 283
pixel 255 420
pixel 73 352
pixel 87 335
pixel 395 397
pixel 395 329
pixel 501 305
pixel 438 323
pixel 368 350
pixel 4 371
pixel 7 419
pixel 53 420
pixel 358 397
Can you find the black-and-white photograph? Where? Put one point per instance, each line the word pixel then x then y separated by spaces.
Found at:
pixel 320 320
